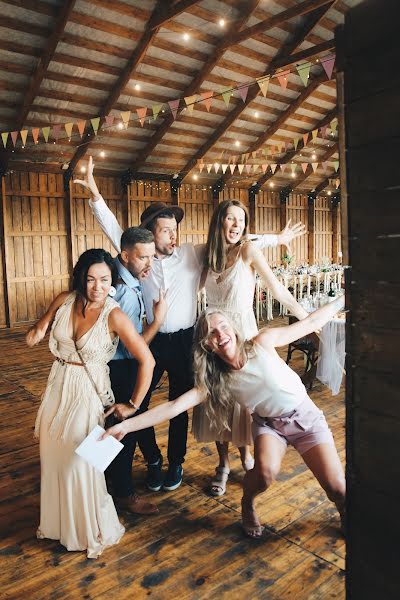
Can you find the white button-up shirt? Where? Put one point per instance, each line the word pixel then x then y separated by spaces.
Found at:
pixel 179 274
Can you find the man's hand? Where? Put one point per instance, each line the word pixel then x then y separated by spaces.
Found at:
pixel 290 233
pixel 160 307
pixel 121 411
pixel 89 182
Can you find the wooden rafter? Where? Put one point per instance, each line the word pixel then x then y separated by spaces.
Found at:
pixel 168 12
pixel 331 150
pixel 292 153
pixel 194 86
pixel 276 20
pixel 283 58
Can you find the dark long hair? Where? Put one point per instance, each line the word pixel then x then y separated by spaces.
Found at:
pixel 85 261
pixel 215 255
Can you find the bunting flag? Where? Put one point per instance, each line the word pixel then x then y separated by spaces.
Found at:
pixel 56 132
pixel 207 97
pixel 174 105
pixel 109 120
pixel 337 183
pixel 264 167
pixel 14 136
pixel 209 167
pixel 283 167
pixel 141 113
pixel 314 133
pixel 243 89
pixel 283 77
pixel 254 154
pixel 201 167
pixel 68 128
pixel 224 168
pixel 304 167
pixel 293 167
pixel 304 72
pixel 216 167
pixel 334 124
pixel 4 137
pixel 95 124
pixel 156 109
pixel 240 167
pixel 314 166
pixel 263 82
pixel 336 165
pixel 46 133
pixel 190 100
pixel 125 116
pixel 255 168
pixel 305 138
pixel 81 128
pixel 248 169
pixel 296 142
pixel 280 144
pixel 323 131
pixel 232 168
pixel 24 135
pixel 328 64
pixel 324 165
pixel 273 167
pixel 35 134
pixel 226 94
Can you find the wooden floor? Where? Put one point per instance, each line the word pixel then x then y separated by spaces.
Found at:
pixel 193 548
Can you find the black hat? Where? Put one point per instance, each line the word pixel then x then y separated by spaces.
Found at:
pixel 156 208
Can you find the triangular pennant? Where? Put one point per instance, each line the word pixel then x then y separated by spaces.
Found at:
pixel 226 94
pixel 255 168
pixel 141 113
pixel 56 130
pixel 248 169
pixel 14 136
pixel 304 167
pixel 325 165
pixel 207 97
pixel 305 138
pixel 334 124
pixel 109 120
pixel 323 131
pixel 296 142
pixel 190 100
pixel 68 128
pixel 95 124
pixel 328 64
pixel 4 137
pixel 240 167
pixel 337 182
pixel 81 127
pixel 224 168
pixel 156 109
pixel 263 82
pixel 125 116
pixel 314 133
pixel 336 165
pixel 283 78
pixel 209 167
pixel 273 167
pixel 216 167
pixel 254 154
pixel 242 90
pixel 35 134
pixel 264 167
pixel 293 167
pixel 46 133
pixel 304 72
pixel 232 168
pixel 314 166
pixel 24 134
pixel 283 167
pixel 174 105
pixel 280 144
pixel 201 167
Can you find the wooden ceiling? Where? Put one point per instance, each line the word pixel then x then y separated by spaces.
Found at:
pixel 75 60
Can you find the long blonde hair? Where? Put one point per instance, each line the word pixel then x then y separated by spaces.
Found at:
pixel 215 255
pixel 212 374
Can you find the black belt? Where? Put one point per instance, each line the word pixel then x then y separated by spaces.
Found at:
pixel 174 334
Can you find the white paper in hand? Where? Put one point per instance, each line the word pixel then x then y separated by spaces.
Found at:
pixel 97 453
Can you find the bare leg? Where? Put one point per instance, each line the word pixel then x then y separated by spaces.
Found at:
pixel 268 454
pixel 246 458
pixel 324 462
pixel 222 448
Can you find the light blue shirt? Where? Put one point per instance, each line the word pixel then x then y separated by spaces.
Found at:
pixel 129 298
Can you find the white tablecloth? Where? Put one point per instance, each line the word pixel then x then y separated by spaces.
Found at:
pixel 330 367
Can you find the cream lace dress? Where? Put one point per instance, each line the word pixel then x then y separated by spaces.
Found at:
pixel 75 506
pixel 231 291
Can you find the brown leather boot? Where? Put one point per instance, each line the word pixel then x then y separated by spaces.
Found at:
pixel 137 505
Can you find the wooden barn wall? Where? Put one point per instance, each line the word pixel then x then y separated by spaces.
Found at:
pixel 45 228
pixel 369 99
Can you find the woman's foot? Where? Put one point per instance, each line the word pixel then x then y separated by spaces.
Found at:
pixel 250 522
pixel 246 458
pixel 218 484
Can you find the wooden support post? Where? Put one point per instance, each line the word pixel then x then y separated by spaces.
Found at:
pixel 311 227
pixel 253 196
pixel 3 249
pixel 335 227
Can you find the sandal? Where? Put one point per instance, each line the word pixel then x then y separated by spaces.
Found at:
pixel 218 484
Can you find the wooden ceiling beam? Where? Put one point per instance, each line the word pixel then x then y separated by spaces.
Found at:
pixel 292 153
pixel 276 20
pixel 168 12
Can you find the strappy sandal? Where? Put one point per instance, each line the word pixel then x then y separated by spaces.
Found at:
pixel 218 484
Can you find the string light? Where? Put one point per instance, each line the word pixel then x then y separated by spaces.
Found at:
pixel 293 175
pixel 83 169
pixel 137 87
pixel 120 125
pixel 195 177
pixel 186 37
pixel 102 154
pixel 256 114
pixel 329 193
pixel 271 184
pixel 221 22
pixel 314 156
pixel 237 143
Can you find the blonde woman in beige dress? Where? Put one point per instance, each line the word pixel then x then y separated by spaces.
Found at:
pixel 75 507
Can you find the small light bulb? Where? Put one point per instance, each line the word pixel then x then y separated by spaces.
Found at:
pixel 256 114
pixel 83 169
pixel 195 177
pixel 137 86
pixel 221 22
pixel 186 36
pixel 271 184
pixel 314 156
pixel 293 175
pixel 237 143
pixel 102 154
pixel 329 193
pixel 120 125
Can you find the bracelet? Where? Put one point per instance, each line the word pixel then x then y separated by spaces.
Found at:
pixel 134 405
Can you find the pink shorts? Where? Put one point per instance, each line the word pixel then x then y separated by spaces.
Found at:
pixel 303 427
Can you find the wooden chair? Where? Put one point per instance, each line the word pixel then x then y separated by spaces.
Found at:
pixel 308 345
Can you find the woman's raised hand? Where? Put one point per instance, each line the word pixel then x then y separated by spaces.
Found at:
pixel 89 182
pixel 290 233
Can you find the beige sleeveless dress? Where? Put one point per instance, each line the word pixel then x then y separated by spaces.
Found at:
pixel 75 506
pixel 233 292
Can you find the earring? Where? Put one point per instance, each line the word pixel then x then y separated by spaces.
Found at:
pixel 112 291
